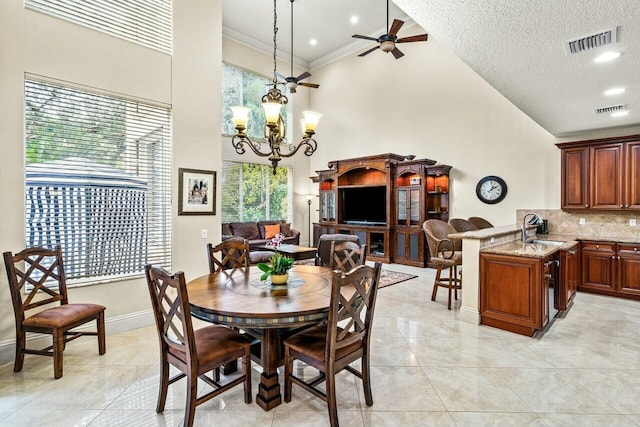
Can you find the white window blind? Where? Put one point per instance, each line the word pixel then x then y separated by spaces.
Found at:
pixel 97 181
pixel 147 22
pixel 251 192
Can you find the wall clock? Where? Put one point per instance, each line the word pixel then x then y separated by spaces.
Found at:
pixel 491 189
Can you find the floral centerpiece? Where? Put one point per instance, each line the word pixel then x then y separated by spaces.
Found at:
pixel 278 268
pixel 276 240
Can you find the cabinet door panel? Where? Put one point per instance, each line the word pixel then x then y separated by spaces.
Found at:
pixel 598 270
pixel 629 269
pixel 632 191
pixel 575 178
pixel 606 176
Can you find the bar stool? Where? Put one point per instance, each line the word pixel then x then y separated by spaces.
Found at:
pixel 445 253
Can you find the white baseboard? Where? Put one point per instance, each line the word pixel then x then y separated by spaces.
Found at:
pixel 113 325
pixel 469 315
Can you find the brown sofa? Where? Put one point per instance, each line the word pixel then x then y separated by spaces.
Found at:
pixel 254 232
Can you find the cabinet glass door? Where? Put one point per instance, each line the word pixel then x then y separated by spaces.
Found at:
pixel 325 202
pixel 402 206
pixel 332 206
pixel 415 207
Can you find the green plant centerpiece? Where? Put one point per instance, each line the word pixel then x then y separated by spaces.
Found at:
pixel 278 268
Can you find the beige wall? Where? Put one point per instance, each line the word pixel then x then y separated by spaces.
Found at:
pixel 190 81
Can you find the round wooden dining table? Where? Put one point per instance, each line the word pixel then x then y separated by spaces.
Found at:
pixel 239 298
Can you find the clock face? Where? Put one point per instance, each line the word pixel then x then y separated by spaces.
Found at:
pixel 491 189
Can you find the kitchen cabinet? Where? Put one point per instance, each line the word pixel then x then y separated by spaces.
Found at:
pixel 514 292
pixel 628 258
pixel 601 174
pixel 610 268
pixel 569 260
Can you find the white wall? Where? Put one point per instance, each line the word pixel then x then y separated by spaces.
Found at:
pixel 430 104
pixel 35 43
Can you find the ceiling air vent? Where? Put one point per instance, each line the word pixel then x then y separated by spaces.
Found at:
pixel 592 41
pixel 610 109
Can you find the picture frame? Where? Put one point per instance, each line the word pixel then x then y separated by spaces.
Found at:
pixel 196 192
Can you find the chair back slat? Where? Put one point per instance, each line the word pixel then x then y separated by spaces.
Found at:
pixel 345 256
pixel 170 302
pixel 43 270
pixel 231 253
pixel 353 297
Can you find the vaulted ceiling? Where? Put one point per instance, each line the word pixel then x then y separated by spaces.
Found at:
pixel 519 47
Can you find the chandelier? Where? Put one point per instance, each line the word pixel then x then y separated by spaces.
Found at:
pixel 275 130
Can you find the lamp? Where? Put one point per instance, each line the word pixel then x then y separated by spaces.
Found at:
pixel 275 130
pixel 309 197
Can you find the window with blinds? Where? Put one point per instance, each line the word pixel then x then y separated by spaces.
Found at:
pixel 251 192
pixel 147 22
pixel 97 181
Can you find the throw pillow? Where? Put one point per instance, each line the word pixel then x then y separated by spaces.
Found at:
pixel 285 229
pixel 270 231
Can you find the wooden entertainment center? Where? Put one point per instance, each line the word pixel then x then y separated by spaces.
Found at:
pixel 384 200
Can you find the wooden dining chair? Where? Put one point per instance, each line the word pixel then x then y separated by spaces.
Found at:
pixel 346 337
pixel 42 282
pixel 323 253
pixel 231 253
pixel 193 353
pixel 347 255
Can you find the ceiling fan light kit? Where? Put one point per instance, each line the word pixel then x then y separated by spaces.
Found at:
pixel 275 128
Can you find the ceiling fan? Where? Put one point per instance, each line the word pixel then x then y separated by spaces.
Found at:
pixel 293 82
pixel 387 42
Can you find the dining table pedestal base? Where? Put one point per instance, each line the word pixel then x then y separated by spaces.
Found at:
pixel 268 396
pixel 269 388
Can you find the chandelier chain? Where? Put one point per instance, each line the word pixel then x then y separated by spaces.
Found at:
pixel 275 46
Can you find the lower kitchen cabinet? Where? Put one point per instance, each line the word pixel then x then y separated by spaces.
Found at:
pixel 568 277
pixel 610 268
pixel 628 258
pixel 514 292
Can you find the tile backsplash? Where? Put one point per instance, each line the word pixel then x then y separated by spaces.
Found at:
pixel 610 224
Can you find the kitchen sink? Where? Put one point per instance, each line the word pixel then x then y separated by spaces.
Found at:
pixel 548 242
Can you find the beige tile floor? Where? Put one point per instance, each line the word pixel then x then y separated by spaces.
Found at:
pixel 429 369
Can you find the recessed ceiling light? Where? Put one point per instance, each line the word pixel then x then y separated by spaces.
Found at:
pixel 607 56
pixel 313 42
pixel 614 91
pixel 620 114
pixel 354 19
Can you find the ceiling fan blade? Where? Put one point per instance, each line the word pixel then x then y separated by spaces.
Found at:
pixel 358 36
pixel 303 76
pixel 369 51
pixel 397 53
pixel 395 27
pixel 313 85
pixel 418 38
pixel 280 76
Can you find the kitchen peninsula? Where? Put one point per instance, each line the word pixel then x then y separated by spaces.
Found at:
pixel 513 285
pixel 596 252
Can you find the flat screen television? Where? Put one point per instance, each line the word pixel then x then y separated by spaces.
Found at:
pixel 364 205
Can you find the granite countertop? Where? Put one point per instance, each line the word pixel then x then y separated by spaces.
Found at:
pixel 486 233
pixel 564 237
pixel 529 250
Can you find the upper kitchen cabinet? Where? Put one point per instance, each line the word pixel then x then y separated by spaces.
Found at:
pixel 601 174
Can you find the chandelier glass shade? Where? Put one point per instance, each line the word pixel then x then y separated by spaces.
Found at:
pixel 274 145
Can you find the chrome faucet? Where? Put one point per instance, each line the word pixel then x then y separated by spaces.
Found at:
pixel 524 225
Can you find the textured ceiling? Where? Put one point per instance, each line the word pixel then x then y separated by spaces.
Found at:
pixel 517 46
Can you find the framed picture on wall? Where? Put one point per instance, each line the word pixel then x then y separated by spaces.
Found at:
pixel 196 192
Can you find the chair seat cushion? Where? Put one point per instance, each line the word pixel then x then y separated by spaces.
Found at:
pixel 455 260
pixel 312 342
pixel 214 344
pixel 63 315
